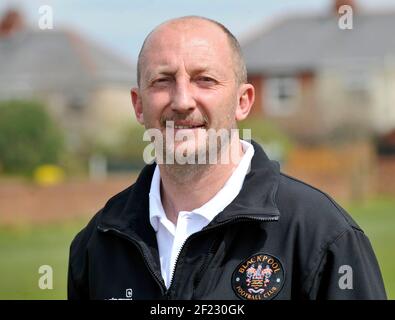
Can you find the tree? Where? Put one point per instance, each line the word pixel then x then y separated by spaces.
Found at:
pixel 28 137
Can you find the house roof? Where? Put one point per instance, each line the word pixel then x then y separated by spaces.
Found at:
pixel 58 60
pixel 310 42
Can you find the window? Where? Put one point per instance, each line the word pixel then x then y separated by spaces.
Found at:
pixel 357 83
pixel 280 95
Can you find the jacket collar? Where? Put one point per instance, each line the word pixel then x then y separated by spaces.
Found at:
pixel 128 211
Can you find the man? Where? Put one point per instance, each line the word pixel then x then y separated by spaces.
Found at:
pixel 205 230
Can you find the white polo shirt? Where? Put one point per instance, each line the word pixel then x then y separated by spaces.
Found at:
pixel 171 237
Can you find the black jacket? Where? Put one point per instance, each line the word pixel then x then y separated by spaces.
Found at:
pixel 279 239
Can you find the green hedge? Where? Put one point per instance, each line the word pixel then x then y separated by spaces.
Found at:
pixel 28 137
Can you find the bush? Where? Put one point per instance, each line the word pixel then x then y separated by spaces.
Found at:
pixel 28 137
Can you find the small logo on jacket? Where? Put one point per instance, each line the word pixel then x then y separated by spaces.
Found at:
pixel 128 295
pixel 260 277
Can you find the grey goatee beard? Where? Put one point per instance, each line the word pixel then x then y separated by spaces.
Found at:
pixel 212 154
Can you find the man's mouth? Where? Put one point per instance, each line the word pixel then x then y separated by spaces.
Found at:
pixel 185 125
pixel 188 127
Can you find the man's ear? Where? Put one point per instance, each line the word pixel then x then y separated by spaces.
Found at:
pixel 246 99
pixel 138 107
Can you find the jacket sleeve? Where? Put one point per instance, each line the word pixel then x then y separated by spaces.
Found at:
pixel 77 284
pixel 73 293
pixel 348 270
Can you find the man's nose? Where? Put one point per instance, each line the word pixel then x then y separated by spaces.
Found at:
pixel 183 99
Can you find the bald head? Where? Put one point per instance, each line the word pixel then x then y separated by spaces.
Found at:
pixel 194 22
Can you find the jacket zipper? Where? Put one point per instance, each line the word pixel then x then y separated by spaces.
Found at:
pixel 233 220
pixel 166 292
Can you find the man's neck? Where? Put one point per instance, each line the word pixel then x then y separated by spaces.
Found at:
pixel 199 184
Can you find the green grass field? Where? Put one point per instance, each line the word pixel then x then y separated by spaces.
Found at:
pixel 377 219
pixel 24 249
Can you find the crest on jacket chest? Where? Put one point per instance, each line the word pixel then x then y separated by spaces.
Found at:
pixel 259 277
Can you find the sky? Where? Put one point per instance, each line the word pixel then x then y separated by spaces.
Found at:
pixel 123 24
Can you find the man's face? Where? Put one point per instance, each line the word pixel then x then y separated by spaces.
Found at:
pixel 187 76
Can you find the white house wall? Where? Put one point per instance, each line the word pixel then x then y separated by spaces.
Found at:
pixel 383 115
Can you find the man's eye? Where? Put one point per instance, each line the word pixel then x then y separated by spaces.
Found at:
pixel 161 80
pixel 206 80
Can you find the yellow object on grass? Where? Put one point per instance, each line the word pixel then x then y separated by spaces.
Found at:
pixel 48 174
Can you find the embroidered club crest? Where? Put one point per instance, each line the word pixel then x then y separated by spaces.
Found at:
pixel 260 277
